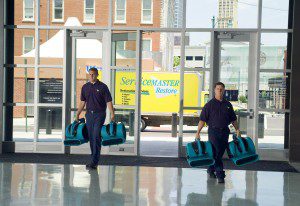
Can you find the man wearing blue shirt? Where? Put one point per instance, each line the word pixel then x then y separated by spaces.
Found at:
pixel 218 113
pixel 96 96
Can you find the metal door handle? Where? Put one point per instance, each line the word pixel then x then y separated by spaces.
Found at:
pixel 251 114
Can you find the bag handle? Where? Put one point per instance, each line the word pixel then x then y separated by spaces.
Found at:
pixel 237 143
pixel 197 144
pixel 245 144
pixel 195 147
pixel 111 129
pixel 81 120
pixel 75 125
pixel 235 137
pixel 201 145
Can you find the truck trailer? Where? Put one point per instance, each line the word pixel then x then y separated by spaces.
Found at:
pixel 160 96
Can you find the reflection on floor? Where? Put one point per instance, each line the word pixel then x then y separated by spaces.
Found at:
pixel 38 184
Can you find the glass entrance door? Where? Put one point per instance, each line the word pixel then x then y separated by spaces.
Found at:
pixel 86 52
pixel 114 55
pixel 123 88
pixel 237 69
pixel 237 72
pixel 250 90
pixel 233 62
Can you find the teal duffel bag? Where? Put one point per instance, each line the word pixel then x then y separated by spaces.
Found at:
pixel 76 133
pixel 242 151
pixel 113 134
pixel 200 153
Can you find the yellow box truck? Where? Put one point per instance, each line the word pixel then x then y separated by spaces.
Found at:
pixel 160 96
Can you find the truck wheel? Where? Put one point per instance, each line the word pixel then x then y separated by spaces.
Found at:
pixel 143 125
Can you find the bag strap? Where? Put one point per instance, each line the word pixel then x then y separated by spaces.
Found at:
pixel 75 125
pixel 73 128
pixel 82 120
pixel 114 129
pixel 237 143
pixel 111 129
pixel 234 137
pixel 238 146
pixel 108 129
pixel 195 147
pixel 201 144
pixel 245 144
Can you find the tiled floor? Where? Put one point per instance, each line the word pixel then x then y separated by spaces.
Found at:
pixel 38 184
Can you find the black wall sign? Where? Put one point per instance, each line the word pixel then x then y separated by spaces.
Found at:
pixel 231 95
pixel 51 91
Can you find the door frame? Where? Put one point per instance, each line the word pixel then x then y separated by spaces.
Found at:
pixel 69 66
pixel 253 74
pixel 254 39
pixel 127 149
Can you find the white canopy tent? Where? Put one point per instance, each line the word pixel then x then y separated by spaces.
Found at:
pixel 54 47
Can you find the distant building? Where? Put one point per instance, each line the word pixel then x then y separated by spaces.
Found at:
pixel 228 14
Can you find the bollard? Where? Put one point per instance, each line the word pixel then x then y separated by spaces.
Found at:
pixel 261 125
pixel 174 124
pixel 48 121
pixel 131 123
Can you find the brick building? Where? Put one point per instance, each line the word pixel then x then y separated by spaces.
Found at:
pixel 131 13
pixel 126 13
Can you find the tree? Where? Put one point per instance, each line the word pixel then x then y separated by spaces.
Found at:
pixel 242 99
pixel 176 61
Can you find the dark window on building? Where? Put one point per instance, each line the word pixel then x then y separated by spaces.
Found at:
pixel 189 58
pixel 198 58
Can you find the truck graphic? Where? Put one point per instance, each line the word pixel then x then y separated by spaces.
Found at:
pixel 160 96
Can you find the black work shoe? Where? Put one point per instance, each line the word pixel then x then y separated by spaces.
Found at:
pixel 91 167
pixel 212 175
pixel 221 180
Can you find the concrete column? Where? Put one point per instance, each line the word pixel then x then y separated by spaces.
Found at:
pixel 294 140
pixel 7 75
pixel 1 69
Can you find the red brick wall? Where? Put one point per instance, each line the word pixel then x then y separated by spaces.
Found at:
pixel 19 112
pixel 75 8
pixel 19 96
pixel 133 14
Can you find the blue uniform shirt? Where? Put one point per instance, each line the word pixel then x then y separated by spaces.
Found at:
pixel 218 114
pixel 96 96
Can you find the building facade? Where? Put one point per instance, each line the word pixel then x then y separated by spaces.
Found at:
pixel 228 14
pixel 143 13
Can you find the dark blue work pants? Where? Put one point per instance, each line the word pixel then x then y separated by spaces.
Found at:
pixel 219 140
pixel 94 123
